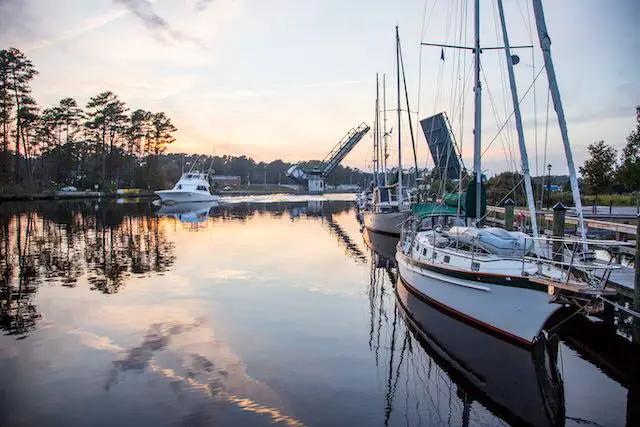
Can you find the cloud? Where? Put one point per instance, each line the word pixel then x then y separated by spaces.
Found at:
pixel 143 10
pixel 69 34
pixel 203 4
pixel 14 17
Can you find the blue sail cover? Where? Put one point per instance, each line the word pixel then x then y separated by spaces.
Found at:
pixel 440 141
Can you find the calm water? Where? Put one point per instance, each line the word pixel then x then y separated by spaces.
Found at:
pixel 258 312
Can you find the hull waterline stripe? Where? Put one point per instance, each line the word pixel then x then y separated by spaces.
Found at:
pixel 478 324
pixel 476 276
pixel 386 233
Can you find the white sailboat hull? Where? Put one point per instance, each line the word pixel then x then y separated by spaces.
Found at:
pixel 521 384
pixel 385 222
pixel 176 196
pixel 513 311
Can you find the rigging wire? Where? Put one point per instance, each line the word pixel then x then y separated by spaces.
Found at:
pixel 533 70
pixel 425 25
pixel 512 113
pixel 546 141
pixel 506 148
pixel 509 138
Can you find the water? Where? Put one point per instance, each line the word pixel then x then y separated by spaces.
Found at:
pixel 258 312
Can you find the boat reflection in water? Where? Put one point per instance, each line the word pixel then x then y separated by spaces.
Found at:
pixel 520 385
pixel 193 212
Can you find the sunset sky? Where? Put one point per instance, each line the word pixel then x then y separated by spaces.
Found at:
pixel 287 78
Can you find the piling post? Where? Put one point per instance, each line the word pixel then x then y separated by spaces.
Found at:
pixel 559 213
pixel 636 285
pixel 509 207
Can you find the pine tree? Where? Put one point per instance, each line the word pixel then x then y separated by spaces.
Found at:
pixel 19 71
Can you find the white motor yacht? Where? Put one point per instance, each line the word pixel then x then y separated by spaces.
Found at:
pixel 193 186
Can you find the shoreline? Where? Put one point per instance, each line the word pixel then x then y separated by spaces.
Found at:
pixel 145 194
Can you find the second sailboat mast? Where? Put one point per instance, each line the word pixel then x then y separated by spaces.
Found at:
pixel 399 118
pixel 477 141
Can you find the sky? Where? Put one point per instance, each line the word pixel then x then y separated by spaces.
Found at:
pixel 288 78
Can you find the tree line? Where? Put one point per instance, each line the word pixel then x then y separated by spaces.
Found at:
pixel 105 143
pixel 603 172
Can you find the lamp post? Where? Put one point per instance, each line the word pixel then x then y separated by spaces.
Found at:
pixel 548 184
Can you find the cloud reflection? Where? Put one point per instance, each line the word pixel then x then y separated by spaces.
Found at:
pixel 219 375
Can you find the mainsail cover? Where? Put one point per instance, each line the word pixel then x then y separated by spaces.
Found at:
pixel 441 144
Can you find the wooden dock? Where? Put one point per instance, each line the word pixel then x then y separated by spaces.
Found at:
pixel 621 232
pixel 622 278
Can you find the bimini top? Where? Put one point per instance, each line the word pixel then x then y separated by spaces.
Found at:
pixel 425 210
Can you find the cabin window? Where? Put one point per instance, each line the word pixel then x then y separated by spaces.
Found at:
pixel 418 248
pixel 424 252
pixel 384 195
pixel 447 258
pixel 475 266
pixel 179 186
pixel 435 255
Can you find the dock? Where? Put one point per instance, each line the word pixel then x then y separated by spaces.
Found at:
pixel 622 278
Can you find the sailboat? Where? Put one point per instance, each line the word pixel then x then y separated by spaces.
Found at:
pixel 390 204
pixel 499 280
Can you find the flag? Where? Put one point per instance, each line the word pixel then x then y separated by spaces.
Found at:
pixel 442 54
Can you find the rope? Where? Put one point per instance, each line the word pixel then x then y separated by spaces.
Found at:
pixel 565 320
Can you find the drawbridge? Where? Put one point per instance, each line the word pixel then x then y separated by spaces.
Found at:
pixel 315 179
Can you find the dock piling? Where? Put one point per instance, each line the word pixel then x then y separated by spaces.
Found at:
pixel 509 207
pixel 559 213
pixel 636 286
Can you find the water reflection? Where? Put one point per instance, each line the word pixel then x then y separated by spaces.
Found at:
pixel 105 244
pixel 199 215
pixel 62 243
pixel 259 313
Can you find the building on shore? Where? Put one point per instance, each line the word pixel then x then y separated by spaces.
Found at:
pixel 226 179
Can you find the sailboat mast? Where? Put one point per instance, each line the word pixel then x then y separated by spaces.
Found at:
pixel 545 44
pixel 477 142
pixel 376 141
pixel 384 128
pixel 516 109
pixel 399 117
pixel 378 128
